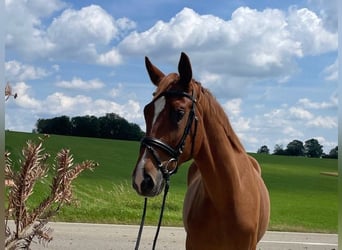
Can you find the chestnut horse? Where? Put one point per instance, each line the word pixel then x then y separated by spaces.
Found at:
pixel 227 203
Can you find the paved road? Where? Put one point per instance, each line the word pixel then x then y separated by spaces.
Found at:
pixel 115 237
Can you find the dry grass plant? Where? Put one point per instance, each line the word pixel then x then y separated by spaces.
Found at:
pixel 9 92
pixel 30 222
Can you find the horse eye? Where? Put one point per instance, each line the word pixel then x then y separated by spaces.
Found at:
pixel 179 114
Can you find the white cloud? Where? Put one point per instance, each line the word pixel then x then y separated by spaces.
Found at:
pixel 331 71
pixel 84 35
pixel 115 92
pixel 281 125
pixel 56 67
pixel 89 25
pixel 125 24
pixel 285 123
pixel 24 92
pixel 307 103
pixel 58 103
pixel 300 113
pixel 274 118
pixel 251 46
pixel 283 119
pixel 14 121
pixel 209 78
pixel 253 141
pixel 233 87
pixel 130 110
pixel 323 122
pixel 328 10
pixel 109 58
pixel 241 124
pixel 328 145
pixel 17 71
pixel 24 29
pixel 259 41
pixel 42 8
pixel 306 27
pixel 78 83
pixel 292 132
pixel 264 41
pixel 233 107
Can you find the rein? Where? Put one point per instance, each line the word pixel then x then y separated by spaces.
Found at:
pixel 166 189
pixel 151 143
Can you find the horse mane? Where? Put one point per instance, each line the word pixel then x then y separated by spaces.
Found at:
pixel 213 109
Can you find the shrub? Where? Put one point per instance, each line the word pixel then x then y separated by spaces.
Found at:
pixel 30 221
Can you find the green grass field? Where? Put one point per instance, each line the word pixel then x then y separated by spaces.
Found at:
pixel 302 199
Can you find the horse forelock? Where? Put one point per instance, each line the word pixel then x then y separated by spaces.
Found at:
pixel 166 84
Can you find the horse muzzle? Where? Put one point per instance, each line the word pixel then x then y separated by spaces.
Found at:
pixel 148 184
pixel 152 172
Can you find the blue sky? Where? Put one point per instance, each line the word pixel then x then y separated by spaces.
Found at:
pixel 271 64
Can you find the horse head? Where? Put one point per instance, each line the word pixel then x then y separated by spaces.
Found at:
pixel 170 128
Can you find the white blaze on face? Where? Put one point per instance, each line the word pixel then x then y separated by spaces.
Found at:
pixel 159 105
pixel 139 174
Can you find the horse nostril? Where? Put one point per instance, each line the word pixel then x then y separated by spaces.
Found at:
pixel 147 184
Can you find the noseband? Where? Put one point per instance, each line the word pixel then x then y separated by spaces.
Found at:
pixel 152 144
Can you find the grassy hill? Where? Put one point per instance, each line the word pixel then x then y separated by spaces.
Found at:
pixel 302 199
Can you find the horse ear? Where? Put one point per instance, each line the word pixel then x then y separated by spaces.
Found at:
pixel 184 70
pixel 155 74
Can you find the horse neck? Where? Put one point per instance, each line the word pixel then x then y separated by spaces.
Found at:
pixel 216 124
pixel 221 158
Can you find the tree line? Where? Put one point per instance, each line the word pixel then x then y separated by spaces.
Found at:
pixel 110 126
pixel 311 148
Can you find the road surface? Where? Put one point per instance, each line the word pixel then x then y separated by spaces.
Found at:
pixel 85 236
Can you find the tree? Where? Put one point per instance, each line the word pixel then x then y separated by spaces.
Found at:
pixel 279 150
pixel 263 150
pixel 295 148
pixel 42 126
pixel 87 126
pixel 135 132
pixel 115 127
pixel 58 126
pixel 333 154
pixel 61 125
pixel 110 126
pixel 312 148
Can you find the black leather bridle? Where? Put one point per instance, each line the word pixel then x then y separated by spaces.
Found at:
pixel 152 144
